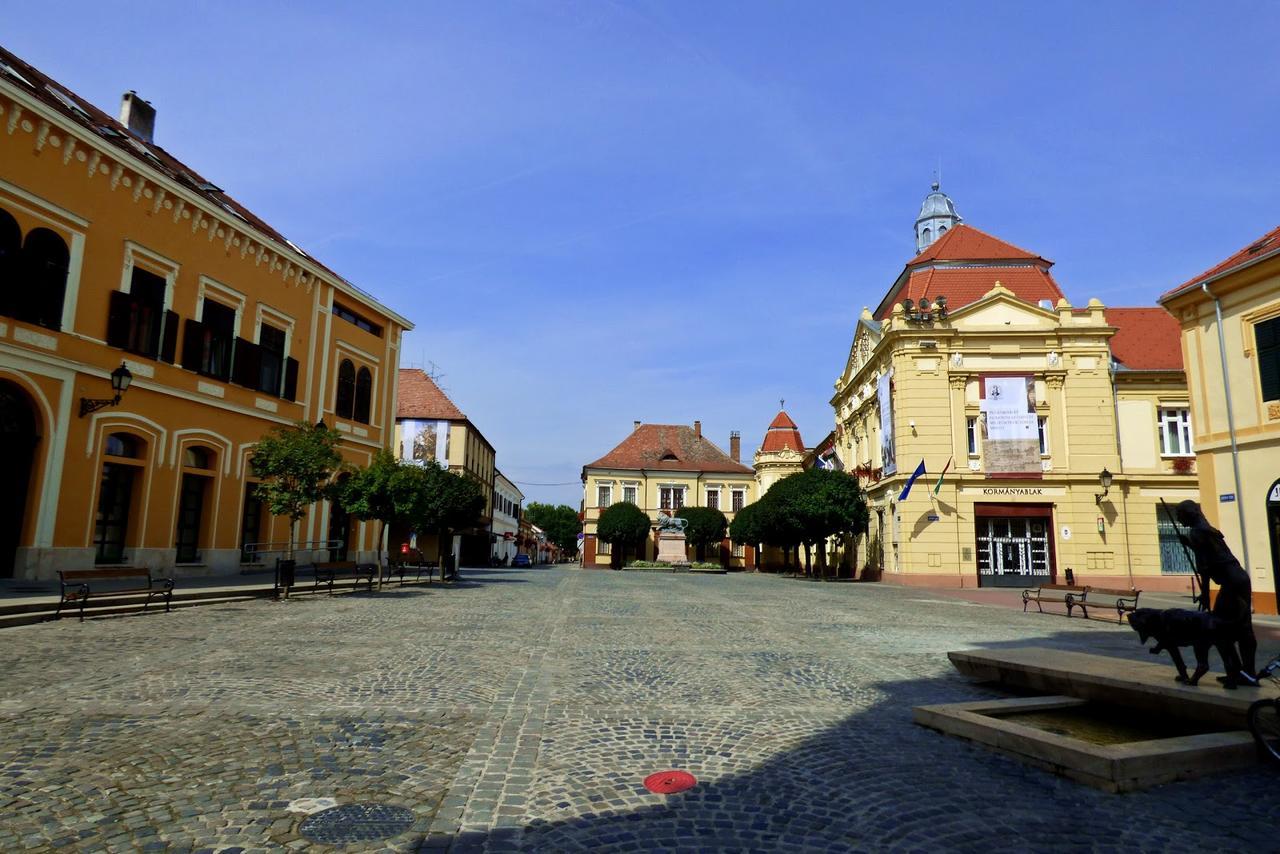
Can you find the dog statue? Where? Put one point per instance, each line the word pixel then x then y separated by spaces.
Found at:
pixel 1200 630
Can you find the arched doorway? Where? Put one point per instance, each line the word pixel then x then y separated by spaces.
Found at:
pixel 18 435
pixel 1273 528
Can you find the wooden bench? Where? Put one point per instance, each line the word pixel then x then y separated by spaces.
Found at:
pixel 1067 594
pixel 1121 599
pixel 412 562
pixel 79 585
pixel 330 571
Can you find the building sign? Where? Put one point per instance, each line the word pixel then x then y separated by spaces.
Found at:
pixel 1010 434
pixel 1013 491
pixel 888 457
pixel 1274 496
pixel 1227 497
pixel 425 441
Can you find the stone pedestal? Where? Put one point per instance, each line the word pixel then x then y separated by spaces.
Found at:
pixel 671 548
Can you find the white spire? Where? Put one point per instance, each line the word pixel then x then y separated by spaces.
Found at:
pixel 937 216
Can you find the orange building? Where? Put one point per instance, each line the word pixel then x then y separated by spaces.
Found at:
pixel 114 253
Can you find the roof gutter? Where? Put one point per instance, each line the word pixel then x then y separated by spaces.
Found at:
pixel 1231 419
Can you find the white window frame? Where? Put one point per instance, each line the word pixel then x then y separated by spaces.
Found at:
pixel 634 489
pixel 674 487
pixel 733 495
pixel 603 548
pixel 1042 428
pixel 739 550
pixel 710 491
pixel 604 495
pixel 971 434
pixel 1171 420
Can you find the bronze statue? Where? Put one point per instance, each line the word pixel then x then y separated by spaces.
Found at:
pixel 1234 605
pixel 670 523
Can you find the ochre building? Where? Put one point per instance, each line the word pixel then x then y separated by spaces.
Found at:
pixel 1230 320
pixel 114 253
pixel 1060 429
pixel 661 468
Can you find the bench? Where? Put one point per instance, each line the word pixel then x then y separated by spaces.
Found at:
pixel 412 562
pixel 1067 594
pixel 330 571
pixel 1120 598
pixel 79 585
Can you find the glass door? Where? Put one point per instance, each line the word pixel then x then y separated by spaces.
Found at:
pixel 111 523
pixel 190 509
pixel 1012 551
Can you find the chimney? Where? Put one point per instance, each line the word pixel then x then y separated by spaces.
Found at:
pixel 697 429
pixel 735 446
pixel 138 116
pixel 636 425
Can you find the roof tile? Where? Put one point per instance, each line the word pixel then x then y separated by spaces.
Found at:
pixel 420 397
pixel 1146 339
pixel 648 444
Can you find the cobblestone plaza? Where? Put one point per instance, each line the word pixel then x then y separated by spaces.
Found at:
pixel 521 710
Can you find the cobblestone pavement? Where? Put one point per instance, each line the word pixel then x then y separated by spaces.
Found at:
pixel 522 710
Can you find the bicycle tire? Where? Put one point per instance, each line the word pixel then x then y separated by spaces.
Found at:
pixel 1264 724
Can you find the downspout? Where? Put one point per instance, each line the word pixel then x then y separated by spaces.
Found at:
pixel 1231 421
pixel 1124 487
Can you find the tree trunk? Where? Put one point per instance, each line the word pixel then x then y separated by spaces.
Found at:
pixel 382 535
pixel 808 560
pixel 822 559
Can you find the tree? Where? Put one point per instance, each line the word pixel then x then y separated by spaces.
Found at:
pixel 387 491
pixel 810 506
pixel 560 522
pixel 452 502
pixel 622 525
pixel 295 464
pixel 707 525
pixel 746 529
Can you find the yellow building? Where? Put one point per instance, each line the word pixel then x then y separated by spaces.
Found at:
pixel 1230 318
pixel 661 468
pixel 429 427
pixel 974 362
pixel 113 252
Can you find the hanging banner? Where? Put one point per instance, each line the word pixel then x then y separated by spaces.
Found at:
pixel 884 391
pixel 425 441
pixel 1011 438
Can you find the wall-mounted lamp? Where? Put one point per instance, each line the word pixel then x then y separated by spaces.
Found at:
pixel 1105 480
pixel 120 379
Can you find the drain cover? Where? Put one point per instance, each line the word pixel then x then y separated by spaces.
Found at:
pixel 670 782
pixel 356 823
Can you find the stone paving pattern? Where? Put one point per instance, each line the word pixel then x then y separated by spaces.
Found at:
pixel 522 710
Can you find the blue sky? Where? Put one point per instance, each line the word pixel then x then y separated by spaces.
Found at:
pixel 597 212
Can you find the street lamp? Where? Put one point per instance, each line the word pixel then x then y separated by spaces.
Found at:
pixel 120 380
pixel 1105 480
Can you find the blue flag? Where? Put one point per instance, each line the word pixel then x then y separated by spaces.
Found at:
pixel 906 490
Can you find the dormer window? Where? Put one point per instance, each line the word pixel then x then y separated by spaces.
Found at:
pixel 669 457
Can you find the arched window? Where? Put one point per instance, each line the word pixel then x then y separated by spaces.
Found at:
pixel 45 258
pixel 123 445
pixel 197 457
pixel 364 394
pixel 344 405
pixel 10 253
pixel 942 229
pixel 925 237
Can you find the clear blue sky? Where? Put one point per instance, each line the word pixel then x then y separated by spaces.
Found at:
pixel 597 212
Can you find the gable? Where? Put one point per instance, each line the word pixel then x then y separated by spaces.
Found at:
pixel 1004 310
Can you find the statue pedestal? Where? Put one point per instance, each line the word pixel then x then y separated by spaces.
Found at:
pixel 671 548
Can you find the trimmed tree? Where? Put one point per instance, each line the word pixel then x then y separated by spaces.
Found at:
pixel 295 464
pixel 452 502
pixel 622 525
pixel 707 525
pixel 560 522
pixel 386 491
pixel 813 505
pixel 745 528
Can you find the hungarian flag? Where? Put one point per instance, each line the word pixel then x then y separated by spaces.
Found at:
pixel 945 468
pixel 906 490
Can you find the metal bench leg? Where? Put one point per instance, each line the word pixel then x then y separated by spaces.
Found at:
pixel 84 600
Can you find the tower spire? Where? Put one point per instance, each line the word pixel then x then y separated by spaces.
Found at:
pixel 937 214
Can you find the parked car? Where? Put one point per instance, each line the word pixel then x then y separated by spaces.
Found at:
pixel 520 560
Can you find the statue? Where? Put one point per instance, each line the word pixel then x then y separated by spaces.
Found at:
pixel 1234 605
pixel 671 524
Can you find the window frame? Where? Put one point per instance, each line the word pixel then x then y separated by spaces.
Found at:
pixel 604 495
pixel 1175 417
pixel 737 499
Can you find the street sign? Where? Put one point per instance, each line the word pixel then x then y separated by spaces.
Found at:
pixel 1227 497
pixel 1274 497
pixel 933 517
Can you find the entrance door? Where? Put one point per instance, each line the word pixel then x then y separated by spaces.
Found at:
pixel 1013 551
pixel 1273 528
pixel 112 520
pixel 339 532
pixel 190 510
pixel 18 434
pixel 251 525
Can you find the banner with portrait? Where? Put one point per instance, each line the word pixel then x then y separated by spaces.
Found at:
pixel 424 441
pixel 1010 434
pixel 884 391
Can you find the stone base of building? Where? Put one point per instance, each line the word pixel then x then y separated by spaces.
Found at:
pixel 1161 583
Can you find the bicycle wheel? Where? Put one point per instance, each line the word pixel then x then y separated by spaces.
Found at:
pixel 1264 723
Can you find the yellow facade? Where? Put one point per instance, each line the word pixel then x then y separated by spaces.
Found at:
pixel 1240 485
pixel 981 520
pixel 197 289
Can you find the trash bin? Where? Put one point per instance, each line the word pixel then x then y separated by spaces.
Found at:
pixel 285 570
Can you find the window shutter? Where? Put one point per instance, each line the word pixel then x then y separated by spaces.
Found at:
pixel 192 344
pixel 119 306
pixel 1269 369
pixel 246 363
pixel 290 379
pixel 169 339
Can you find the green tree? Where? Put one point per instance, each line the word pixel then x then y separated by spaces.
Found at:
pixel 386 491
pixel 622 525
pixel 813 505
pixel 707 525
pixel 452 502
pixel 295 464
pixel 745 528
pixel 559 521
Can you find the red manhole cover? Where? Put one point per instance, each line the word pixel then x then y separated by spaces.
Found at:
pixel 670 782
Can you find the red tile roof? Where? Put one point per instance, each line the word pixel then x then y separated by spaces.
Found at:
pixel 782 433
pixel 420 397
pixel 1146 339
pixel 1264 245
pixel 130 147
pixel 668 447
pixel 966 243
pixel 964 285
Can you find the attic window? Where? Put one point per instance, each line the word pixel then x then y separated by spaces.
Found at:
pixel 208 187
pixel 67 102
pixel 107 130
pixel 669 457
pixel 1257 247
pixel 13 72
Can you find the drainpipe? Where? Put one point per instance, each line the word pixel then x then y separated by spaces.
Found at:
pixel 1231 421
pixel 1124 486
